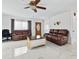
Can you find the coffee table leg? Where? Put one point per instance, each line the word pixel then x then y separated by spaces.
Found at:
pixel 28 42
pixel 45 41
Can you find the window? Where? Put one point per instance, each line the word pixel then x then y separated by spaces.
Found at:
pixel 20 25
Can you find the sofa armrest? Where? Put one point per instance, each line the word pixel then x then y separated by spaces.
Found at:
pixel 46 34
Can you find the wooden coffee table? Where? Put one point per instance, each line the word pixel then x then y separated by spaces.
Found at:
pixel 32 43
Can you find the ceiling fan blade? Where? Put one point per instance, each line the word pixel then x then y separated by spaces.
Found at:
pixel 26 7
pixel 35 10
pixel 37 1
pixel 41 7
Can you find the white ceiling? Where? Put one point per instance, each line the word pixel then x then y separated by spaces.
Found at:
pixel 16 7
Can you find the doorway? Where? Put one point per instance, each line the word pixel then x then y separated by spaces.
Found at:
pixel 38 29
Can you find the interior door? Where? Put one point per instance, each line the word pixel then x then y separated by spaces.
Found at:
pixel 38 29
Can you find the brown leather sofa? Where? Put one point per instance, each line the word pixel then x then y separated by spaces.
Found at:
pixel 20 34
pixel 58 36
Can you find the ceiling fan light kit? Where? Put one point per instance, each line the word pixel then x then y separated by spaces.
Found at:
pixel 32 7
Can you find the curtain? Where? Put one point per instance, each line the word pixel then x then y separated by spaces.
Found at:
pixel 29 26
pixel 12 25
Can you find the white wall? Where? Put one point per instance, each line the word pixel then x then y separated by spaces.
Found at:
pixel 46 25
pixel 6 22
pixel 64 18
pixel 74 29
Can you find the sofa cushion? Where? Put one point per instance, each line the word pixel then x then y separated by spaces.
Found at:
pixel 53 31
pixel 63 32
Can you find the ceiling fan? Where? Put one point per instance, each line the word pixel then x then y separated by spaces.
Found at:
pixel 34 5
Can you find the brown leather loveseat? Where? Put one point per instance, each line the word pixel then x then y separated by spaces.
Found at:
pixel 20 34
pixel 58 36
